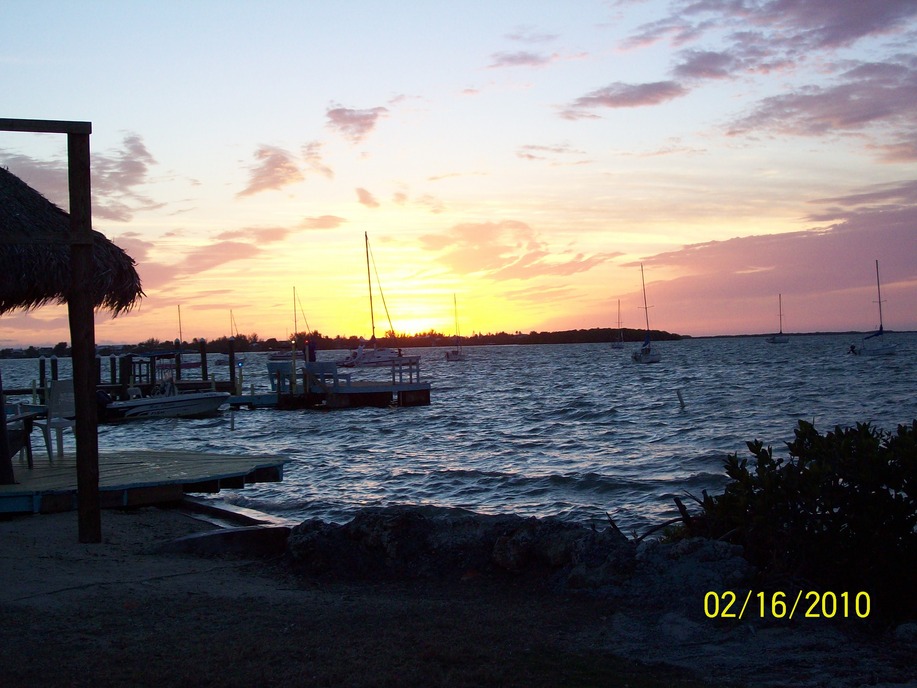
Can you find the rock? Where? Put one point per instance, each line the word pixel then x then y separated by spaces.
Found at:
pixel 417 542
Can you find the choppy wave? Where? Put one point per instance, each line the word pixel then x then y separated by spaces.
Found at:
pixel 574 431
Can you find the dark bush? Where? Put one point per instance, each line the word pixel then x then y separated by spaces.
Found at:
pixel 839 514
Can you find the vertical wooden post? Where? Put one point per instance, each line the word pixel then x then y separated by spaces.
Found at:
pixel 202 347
pixel 125 373
pixel 82 335
pixel 232 362
pixel 6 461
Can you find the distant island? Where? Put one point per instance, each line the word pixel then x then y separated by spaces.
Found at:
pixel 252 342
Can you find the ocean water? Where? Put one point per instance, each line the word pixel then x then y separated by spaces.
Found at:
pixel 576 431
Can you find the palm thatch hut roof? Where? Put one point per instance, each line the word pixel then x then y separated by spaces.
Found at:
pixel 35 255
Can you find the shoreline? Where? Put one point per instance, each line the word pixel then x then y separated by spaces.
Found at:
pixel 128 612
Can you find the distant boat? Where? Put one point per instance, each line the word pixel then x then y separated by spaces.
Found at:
pixel 877 347
pixel 646 353
pixel 369 354
pixel 619 344
pixel 779 338
pixel 456 354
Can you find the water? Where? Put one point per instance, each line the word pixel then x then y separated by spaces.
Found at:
pixel 575 431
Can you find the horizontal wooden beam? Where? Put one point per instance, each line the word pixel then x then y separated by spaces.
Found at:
pixel 45 126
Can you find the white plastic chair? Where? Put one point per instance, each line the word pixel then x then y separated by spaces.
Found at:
pixel 61 412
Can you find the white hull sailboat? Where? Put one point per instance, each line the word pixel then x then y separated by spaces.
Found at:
pixel 369 354
pixel 646 353
pixel 456 353
pixel 875 344
pixel 779 338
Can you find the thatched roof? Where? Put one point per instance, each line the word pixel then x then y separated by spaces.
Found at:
pixel 35 255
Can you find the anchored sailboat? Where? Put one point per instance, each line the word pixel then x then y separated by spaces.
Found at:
pixel 456 354
pixel 877 347
pixel 620 343
pixel 647 353
pixel 372 355
pixel 779 338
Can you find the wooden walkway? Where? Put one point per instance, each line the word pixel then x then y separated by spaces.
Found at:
pixel 133 478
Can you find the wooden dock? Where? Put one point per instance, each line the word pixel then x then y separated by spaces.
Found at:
pixel 323 385
pixel 134 478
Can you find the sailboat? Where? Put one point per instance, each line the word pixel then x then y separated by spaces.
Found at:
pixel 372 355
pixel 286 362
pixel 646 353
pixel 456 354
pixel 878 347
pixel 779 338
pixel 619 344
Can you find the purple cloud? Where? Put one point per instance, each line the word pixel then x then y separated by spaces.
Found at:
pixel 354 125
pixel 520 59
pixel 868 97
pixel 116 175
pixel 275 169
pixel 621 95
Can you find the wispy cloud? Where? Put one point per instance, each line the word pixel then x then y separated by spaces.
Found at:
pixel 117 175
pixel 257 235
pixel 621 95
pixel 504 250
pixel 876 98
pixel 312 154
pixel 274 169
pixel 322 222
pixel 522 58
pixel 354 125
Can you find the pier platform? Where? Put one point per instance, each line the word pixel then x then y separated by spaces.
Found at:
pixel 134 478
pixel 324 385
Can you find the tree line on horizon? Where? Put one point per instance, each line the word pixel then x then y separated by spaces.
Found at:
pixel 253 342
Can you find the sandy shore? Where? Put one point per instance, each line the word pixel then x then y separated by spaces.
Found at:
pixel 122 613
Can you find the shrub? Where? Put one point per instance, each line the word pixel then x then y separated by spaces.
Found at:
pixel 841 513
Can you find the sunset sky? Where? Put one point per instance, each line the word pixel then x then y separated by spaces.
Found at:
pixel 525 157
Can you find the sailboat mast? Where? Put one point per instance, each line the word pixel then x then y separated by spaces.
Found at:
pixel 646 308
pixel 369 281
pixel 879 291
pixel 181 339
pixel 780 308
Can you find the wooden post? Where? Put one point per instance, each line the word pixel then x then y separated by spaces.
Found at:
pixel 232 362
pixel 42 372
pixel 202 347
pixel 82 335
pixel 177 360
pixel 125 373
pixel 6 461
pixel 54 367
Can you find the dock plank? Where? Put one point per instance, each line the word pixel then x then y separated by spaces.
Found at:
pixel 128 478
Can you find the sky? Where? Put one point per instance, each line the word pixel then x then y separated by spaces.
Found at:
pixel 519 159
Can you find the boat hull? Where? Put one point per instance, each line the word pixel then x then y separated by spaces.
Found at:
pixel 189 405
pixel 645 357
pixel 455 355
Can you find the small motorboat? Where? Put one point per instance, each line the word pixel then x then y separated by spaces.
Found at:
pixel 165 402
